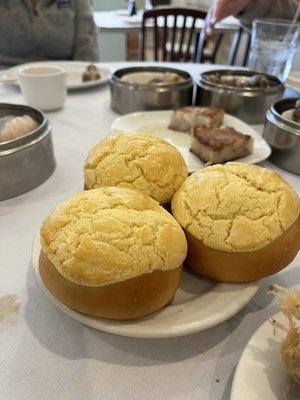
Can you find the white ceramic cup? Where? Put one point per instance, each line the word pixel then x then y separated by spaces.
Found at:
pixel 43 87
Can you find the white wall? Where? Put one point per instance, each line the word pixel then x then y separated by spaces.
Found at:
pixel 202 5
pixel 102 5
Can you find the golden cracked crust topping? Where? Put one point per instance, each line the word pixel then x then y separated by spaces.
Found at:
pixel 235 207
pixel 138 161
pixel 111 234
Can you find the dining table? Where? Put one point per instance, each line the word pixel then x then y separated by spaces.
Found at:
pixel 47 355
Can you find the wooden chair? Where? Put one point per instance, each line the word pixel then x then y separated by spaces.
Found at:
pixel 238 53
pixel 184 42
pixel 171 42
pixel 236 44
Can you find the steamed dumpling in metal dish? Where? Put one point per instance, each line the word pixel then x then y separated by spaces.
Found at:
pixel 14 127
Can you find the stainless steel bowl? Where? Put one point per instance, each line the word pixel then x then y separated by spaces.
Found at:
pixel 249 104
pixel 131 97
pixel 283 136
pixel 27 161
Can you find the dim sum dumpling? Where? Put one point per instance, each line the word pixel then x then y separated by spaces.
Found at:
pixel 15 127
pixel 290 348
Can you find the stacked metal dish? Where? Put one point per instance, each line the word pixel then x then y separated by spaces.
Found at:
pixel 27 161
pixel 247 103
pixel 283 135
pixel 131 95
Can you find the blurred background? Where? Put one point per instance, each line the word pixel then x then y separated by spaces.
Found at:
pixel 113 44
pixel 116 44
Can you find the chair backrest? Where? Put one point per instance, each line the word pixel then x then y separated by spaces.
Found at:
pixel 175 27
pixel 236 45
pixel 238 52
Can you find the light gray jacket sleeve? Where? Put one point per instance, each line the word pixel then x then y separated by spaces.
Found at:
pixel 86 38
pixel 283 9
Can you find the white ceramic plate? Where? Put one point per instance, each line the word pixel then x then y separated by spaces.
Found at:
pixel 156 124
pixel 133 19
pixel 293 80
pixel 260 373
pixel 121 13
pixel 199 304
pixel 74 71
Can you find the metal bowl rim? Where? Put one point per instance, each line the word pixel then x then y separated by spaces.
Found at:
pixel 114 79
pixel 275 118
pixel 245 92
pixel 36 140
pixel 24 141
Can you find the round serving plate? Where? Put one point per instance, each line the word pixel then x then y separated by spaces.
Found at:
pixel 261 373
pixel 199 304
pixel 74 70
pixel 156 123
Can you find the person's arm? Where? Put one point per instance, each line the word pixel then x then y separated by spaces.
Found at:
pixel 86 39
pixel 221 9
pixel 248 10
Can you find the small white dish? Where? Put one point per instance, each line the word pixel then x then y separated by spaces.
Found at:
pixel 261 373
pixel 134 20
pixel 74 71
pixel 121 13
pixel 199 304
pixel 44 87
pixel 156 123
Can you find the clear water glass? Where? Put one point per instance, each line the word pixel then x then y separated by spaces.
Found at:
pixel 273 46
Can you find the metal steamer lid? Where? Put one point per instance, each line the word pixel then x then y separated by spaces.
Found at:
pixel 32 137
pixel 274 115
pixel 116 78
pixel 275 84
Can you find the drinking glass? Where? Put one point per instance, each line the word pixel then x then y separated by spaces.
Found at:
pixel 273 46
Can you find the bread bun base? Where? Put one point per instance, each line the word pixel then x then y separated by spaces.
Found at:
pixel 244 266
pixel 125 300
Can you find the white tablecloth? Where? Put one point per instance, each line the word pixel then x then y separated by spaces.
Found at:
pixel 46 355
